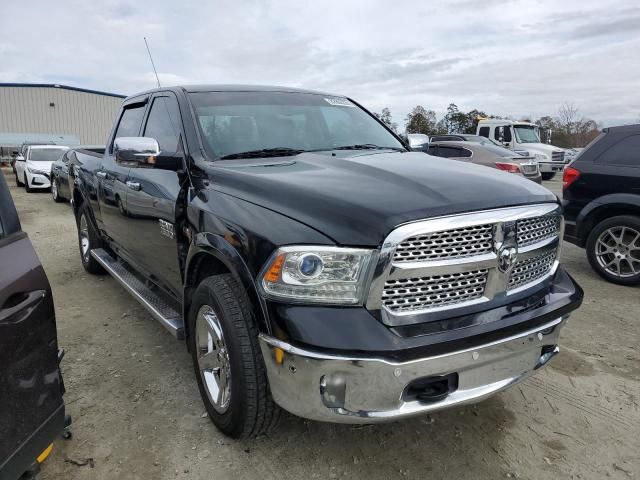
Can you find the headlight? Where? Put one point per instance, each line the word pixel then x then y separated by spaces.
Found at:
pixel 541 157
pixel 316 274
pixel 36 171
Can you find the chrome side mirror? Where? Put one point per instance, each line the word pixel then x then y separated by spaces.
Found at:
pixel 136 151
pixel 418 142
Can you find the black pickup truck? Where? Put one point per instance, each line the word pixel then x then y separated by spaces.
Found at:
pixel 312 262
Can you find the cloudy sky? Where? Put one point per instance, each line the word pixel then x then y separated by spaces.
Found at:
pixel 507 57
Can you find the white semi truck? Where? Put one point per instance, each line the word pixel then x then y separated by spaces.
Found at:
pixel 525 137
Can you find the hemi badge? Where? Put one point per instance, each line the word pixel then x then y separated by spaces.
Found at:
pixel 166 229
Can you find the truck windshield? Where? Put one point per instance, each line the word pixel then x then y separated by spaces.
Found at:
pixel 45 154
pixel 526 134
pixel 283 123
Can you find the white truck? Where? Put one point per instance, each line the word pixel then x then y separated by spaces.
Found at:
pixel 524 137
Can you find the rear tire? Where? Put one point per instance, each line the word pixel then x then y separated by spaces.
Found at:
pixel 55 194
pixel 88 240
pixel 223 339
pixel 613 249
pixel 548 175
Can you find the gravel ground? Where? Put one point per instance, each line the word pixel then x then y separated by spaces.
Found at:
pixel 137 413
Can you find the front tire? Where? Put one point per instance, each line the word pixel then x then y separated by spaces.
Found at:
pixel 231 376
pixel 88 240
pixel 548 175
pixel 613 249
pixel 26 184
pixel 18 182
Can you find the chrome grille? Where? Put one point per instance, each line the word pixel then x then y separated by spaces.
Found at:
pixel 459 260
pixel 557 156
pixel 533 230
pixel 531 269
pixel 409 294
pixel 455 243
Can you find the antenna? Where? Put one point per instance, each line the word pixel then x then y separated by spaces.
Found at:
pixel 152 64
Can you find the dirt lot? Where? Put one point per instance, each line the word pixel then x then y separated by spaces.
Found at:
pixel 137 413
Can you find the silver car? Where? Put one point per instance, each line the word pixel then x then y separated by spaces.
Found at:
pixel 489 155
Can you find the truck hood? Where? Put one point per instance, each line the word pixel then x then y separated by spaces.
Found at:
pixel 358 199
pixel 545 148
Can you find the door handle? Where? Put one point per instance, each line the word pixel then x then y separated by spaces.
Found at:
pixel 26 301
pixel 101 174
pixel 133 185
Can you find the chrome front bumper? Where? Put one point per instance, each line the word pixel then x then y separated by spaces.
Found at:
pixel 344 389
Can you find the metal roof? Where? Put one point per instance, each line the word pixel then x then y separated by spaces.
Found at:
pixel 63 87
pixel 20 138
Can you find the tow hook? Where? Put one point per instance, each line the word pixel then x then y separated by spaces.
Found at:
pixel 548 352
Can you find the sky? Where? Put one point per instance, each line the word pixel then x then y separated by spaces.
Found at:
pixel 504 57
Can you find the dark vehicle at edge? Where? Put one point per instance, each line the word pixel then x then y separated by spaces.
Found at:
pixel 32 412
pixel 313 263
pixel 601 199
pixel 61 189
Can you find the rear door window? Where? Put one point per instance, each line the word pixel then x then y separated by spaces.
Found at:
pixel 626 152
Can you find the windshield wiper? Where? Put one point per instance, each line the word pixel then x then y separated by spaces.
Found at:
pixel 367 146
pixel 264 152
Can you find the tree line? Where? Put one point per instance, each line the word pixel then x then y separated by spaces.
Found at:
pixel 568 128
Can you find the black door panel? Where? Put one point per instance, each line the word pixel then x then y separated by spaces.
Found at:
pixel 152 198
pixel 112 180
pixel 32 410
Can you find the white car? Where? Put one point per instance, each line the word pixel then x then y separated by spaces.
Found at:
pixel 33 167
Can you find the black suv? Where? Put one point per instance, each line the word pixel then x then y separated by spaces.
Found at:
pixel 601 190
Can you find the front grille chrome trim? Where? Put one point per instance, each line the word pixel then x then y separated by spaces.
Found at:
pixel 393 268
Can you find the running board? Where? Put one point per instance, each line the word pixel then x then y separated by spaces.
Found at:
pixel 156 306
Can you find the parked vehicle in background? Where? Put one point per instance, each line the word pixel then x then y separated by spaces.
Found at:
pixel 463 137
pixel 32 411
pixel 601 198
pixel 33 167
pixel 313 263
pixel 19 155
pixel 488 155
pixel 571 154
pixel 524 137
pixel 61 189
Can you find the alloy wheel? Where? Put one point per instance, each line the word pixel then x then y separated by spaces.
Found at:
pixel 54 189
pixel 85 244
pixel 618 251
pixel 213 358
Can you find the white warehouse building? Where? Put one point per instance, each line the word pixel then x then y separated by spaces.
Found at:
pixel 31 111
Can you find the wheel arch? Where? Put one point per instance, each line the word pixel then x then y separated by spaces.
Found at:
pixel 603 208
pixel 210 255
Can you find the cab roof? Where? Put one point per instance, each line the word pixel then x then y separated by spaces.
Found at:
pixel 233 88
pixel 503 121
